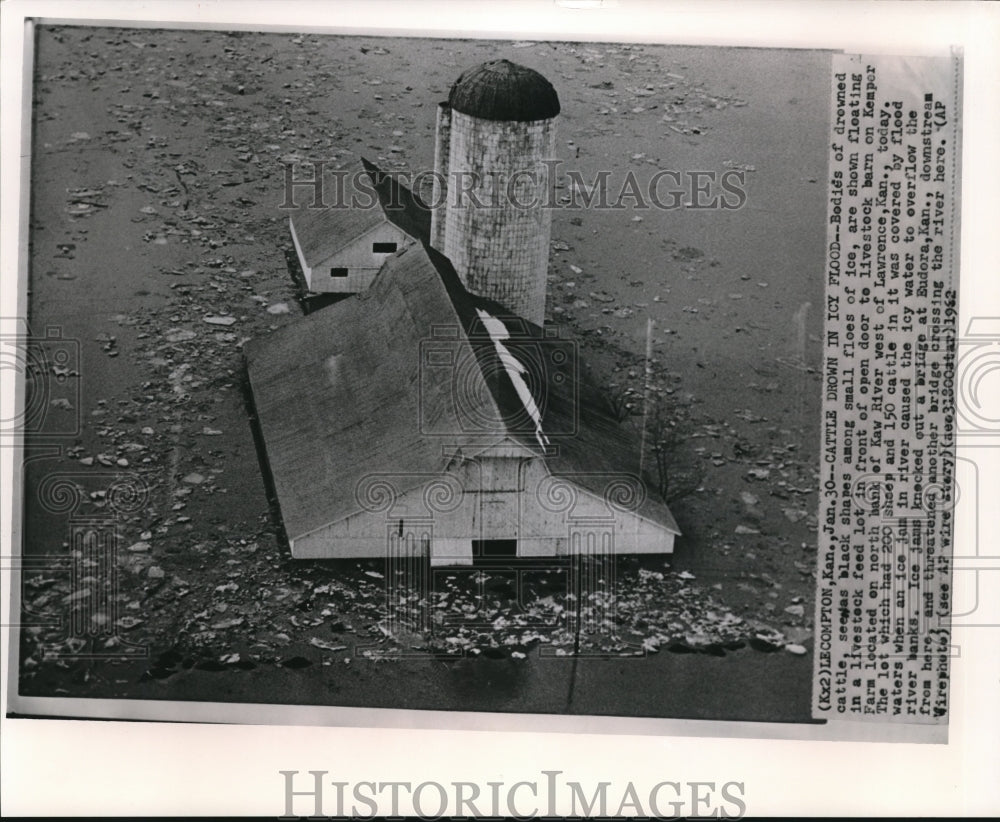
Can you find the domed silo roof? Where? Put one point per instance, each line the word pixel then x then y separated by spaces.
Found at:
pixel 502 90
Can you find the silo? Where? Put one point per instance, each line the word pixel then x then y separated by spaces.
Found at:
pixel 499 124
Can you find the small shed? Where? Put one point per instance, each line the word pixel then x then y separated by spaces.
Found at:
pixel 418 419
pixel 341 247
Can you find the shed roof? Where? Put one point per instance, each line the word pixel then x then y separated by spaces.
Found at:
pixel 341 395
pixel 502 90
pixel 365 202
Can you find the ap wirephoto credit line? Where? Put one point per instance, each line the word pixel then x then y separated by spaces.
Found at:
pixel 889 419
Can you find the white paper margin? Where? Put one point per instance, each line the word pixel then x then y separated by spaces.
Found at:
pixel 135 768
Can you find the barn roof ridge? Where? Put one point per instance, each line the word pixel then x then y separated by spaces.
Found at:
pixel 403 207
pixel 365 402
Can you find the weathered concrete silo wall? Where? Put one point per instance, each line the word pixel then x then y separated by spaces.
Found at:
pixel 497 222
pixel 442 146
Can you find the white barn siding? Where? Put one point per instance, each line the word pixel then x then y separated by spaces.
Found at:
pixel 357 257
pixel 501 498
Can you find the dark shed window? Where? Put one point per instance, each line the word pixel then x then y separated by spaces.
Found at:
pixel 338 272
pixel 383 248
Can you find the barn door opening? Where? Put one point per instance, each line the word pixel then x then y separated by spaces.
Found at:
pixel 494 548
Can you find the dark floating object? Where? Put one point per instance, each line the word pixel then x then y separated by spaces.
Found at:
pixel 168 659
pixel 157 672
pixel 296 662
pixel 759 644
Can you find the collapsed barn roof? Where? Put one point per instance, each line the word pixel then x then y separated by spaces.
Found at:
pixel 347 392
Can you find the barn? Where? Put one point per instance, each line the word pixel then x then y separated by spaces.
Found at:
pixel 340 248
pixel 426 420
pixel 432 414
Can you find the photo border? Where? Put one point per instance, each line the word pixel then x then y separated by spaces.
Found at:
pixel 974 712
